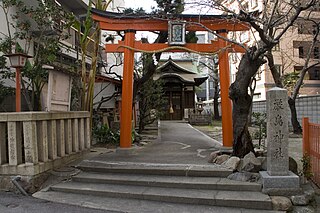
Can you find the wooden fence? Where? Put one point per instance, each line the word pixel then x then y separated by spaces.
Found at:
pixel 34 142
pixel 311 147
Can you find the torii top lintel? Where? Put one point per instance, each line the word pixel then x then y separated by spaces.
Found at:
pixel 119 22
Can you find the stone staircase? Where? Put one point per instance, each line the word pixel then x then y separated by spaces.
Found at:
pixel 142 187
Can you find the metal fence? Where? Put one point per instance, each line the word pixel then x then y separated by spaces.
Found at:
pixel 311 147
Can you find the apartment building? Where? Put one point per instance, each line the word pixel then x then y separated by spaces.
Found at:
pixel 290 54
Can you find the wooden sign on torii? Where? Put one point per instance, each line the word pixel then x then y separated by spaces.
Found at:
pixel 130 24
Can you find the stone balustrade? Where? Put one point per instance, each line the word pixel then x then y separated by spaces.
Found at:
pixel 35 142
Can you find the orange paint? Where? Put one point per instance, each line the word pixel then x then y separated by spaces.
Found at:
pixel 18 90
pixel 127 90
pixel 305 128
pixel 226 106
pixel 311 147
pixel 144 24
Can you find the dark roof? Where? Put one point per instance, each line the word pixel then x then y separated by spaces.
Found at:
pixel 172 69
pixel 103 78
pixel 114 15
pixel 78 7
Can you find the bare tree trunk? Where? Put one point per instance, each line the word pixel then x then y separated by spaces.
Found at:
pixel 238 93
pixel 216 96
pixel 294 118
pixel 216 105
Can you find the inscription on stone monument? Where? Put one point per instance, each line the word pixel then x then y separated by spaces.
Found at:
pixel 277 132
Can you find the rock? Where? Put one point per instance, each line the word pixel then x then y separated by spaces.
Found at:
pixel 303 209
pixel 305 198
pixel 232 163
pixel 244 176
pixel 221 159
pixel 293 166
pixel 213 156
pixel 281 203
pixel 300 200
pixel 240 165
pixel 251 163
pixel 263 161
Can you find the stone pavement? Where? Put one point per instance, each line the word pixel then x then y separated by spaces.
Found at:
pixel 177 143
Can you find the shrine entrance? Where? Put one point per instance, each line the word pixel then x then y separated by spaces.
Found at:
pixel 173 104
pixel 179 78
pixel 130 24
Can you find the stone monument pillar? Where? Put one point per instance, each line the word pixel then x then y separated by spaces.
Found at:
pixel 278 180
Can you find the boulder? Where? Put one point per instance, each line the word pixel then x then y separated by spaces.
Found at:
pixel 244 176
pixel 213 156
pixel 281 203
pixel 221 159
pixel 305 198
pixel 303 209
pixel 300 200
pixel 251 163
pixel 232 163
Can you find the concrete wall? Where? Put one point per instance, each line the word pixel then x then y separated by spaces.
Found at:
pixel 308 106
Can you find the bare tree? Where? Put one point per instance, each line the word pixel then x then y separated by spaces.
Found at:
pixel 270 25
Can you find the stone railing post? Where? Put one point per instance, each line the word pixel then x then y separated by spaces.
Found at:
pixel 30 142
pixel 3 147
pixel 14 143
pixel 43 141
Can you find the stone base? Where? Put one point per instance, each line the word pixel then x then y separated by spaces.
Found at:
pixel 129 151
pixel 280 185
pixel 226 150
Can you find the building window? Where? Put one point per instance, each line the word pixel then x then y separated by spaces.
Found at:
pixel 301 52
pixel 278 68
pixel 254 3
pixel 314 29
pixel 256 95
pixel 276 47
pixel 210 84
pixel 258 76
pixel 316 74
pixel 316 53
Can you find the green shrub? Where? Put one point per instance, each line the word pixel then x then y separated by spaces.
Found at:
pixel 106 135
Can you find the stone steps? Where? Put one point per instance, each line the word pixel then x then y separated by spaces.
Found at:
pixel 154 169
pixel 125 205
pixel 214 183
pixel 239 199
pixel 163 187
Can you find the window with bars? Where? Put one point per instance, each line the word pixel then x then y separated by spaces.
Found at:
pixel 316 54
pixel 301 52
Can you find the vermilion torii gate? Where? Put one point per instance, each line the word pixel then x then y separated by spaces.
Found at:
pixel 130 24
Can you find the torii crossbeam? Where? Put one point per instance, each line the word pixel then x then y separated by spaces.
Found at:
pixel 130 24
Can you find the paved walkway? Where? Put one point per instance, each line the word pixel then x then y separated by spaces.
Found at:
pixel 177 143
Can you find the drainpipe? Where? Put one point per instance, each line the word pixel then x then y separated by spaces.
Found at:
pixel 15 182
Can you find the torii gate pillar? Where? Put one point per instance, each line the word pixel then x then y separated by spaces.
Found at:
pixel 127 91
pixel 226 106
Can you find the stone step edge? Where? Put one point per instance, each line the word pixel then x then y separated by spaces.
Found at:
pixel 156 169
pixel 132 205
pixel 167 196
pixel 150 181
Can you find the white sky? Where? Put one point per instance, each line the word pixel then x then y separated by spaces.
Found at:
pixel 148 4
pixel 145 4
